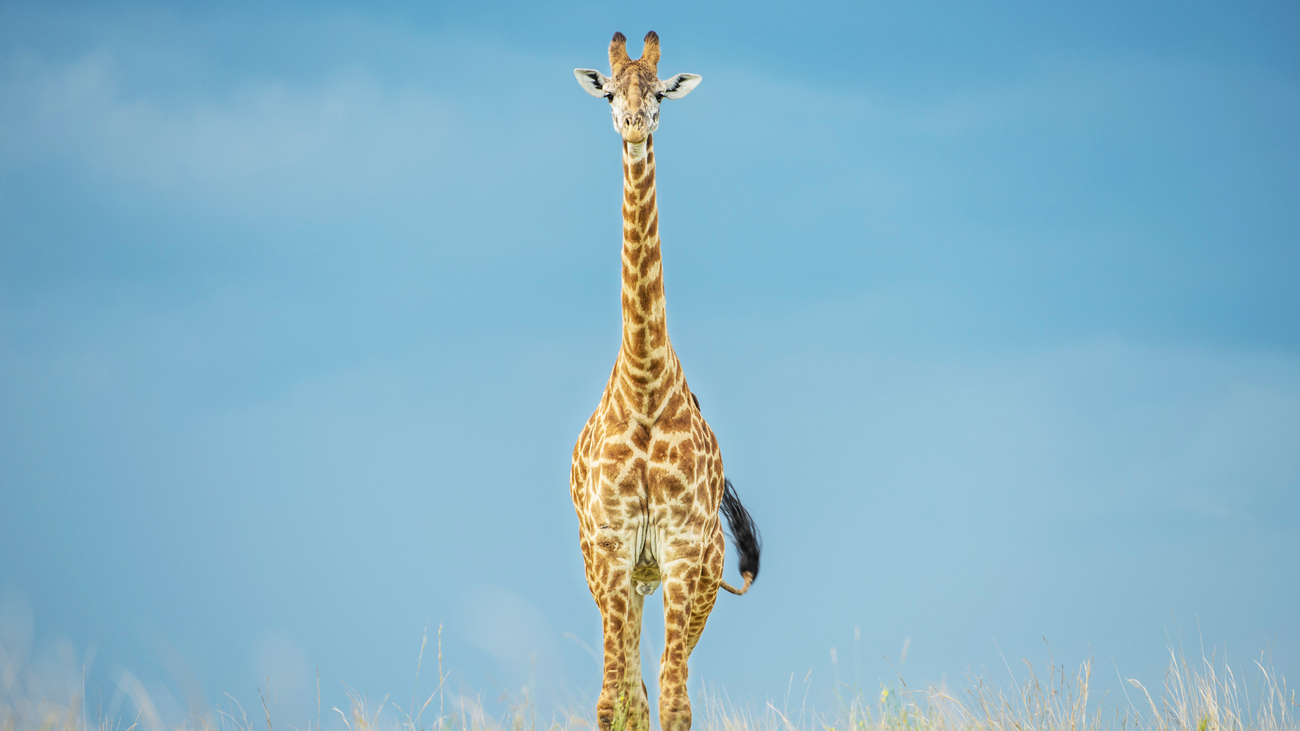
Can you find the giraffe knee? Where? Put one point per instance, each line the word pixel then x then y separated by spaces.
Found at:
pixel 675 712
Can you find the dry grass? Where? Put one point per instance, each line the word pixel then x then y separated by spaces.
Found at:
pixel 1197 695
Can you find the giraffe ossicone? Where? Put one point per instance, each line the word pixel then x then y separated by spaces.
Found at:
pixel 647 480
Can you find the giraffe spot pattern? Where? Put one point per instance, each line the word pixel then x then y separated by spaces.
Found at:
pixel 647 468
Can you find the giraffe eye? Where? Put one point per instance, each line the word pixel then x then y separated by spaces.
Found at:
pixel 609 98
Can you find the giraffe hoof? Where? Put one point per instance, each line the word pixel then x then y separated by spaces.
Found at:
pixel 645 588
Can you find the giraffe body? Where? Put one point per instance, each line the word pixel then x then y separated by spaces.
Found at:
pixel 647 480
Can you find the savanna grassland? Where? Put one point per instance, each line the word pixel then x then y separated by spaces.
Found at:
pixel 1199 693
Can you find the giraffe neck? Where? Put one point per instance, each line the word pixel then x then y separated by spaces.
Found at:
pixel 646 358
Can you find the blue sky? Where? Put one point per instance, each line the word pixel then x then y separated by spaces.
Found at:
pixel 301 309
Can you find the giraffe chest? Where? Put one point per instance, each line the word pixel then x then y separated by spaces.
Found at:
pixel 634 474
pixel 653 464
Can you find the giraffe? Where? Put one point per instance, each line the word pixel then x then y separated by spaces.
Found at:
pixel 647 480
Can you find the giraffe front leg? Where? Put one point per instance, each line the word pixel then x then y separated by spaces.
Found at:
pixel 680 578
pixel 622 705
pixel 706 589
pixel 637 716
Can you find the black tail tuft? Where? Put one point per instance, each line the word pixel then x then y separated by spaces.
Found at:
pixel 744 534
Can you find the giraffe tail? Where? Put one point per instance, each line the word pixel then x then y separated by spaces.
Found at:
pixel 745 536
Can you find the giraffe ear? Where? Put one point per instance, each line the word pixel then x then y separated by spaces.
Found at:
pixel 680 85
pixel 592 81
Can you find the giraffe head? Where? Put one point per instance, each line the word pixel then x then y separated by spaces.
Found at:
pixel 634 89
